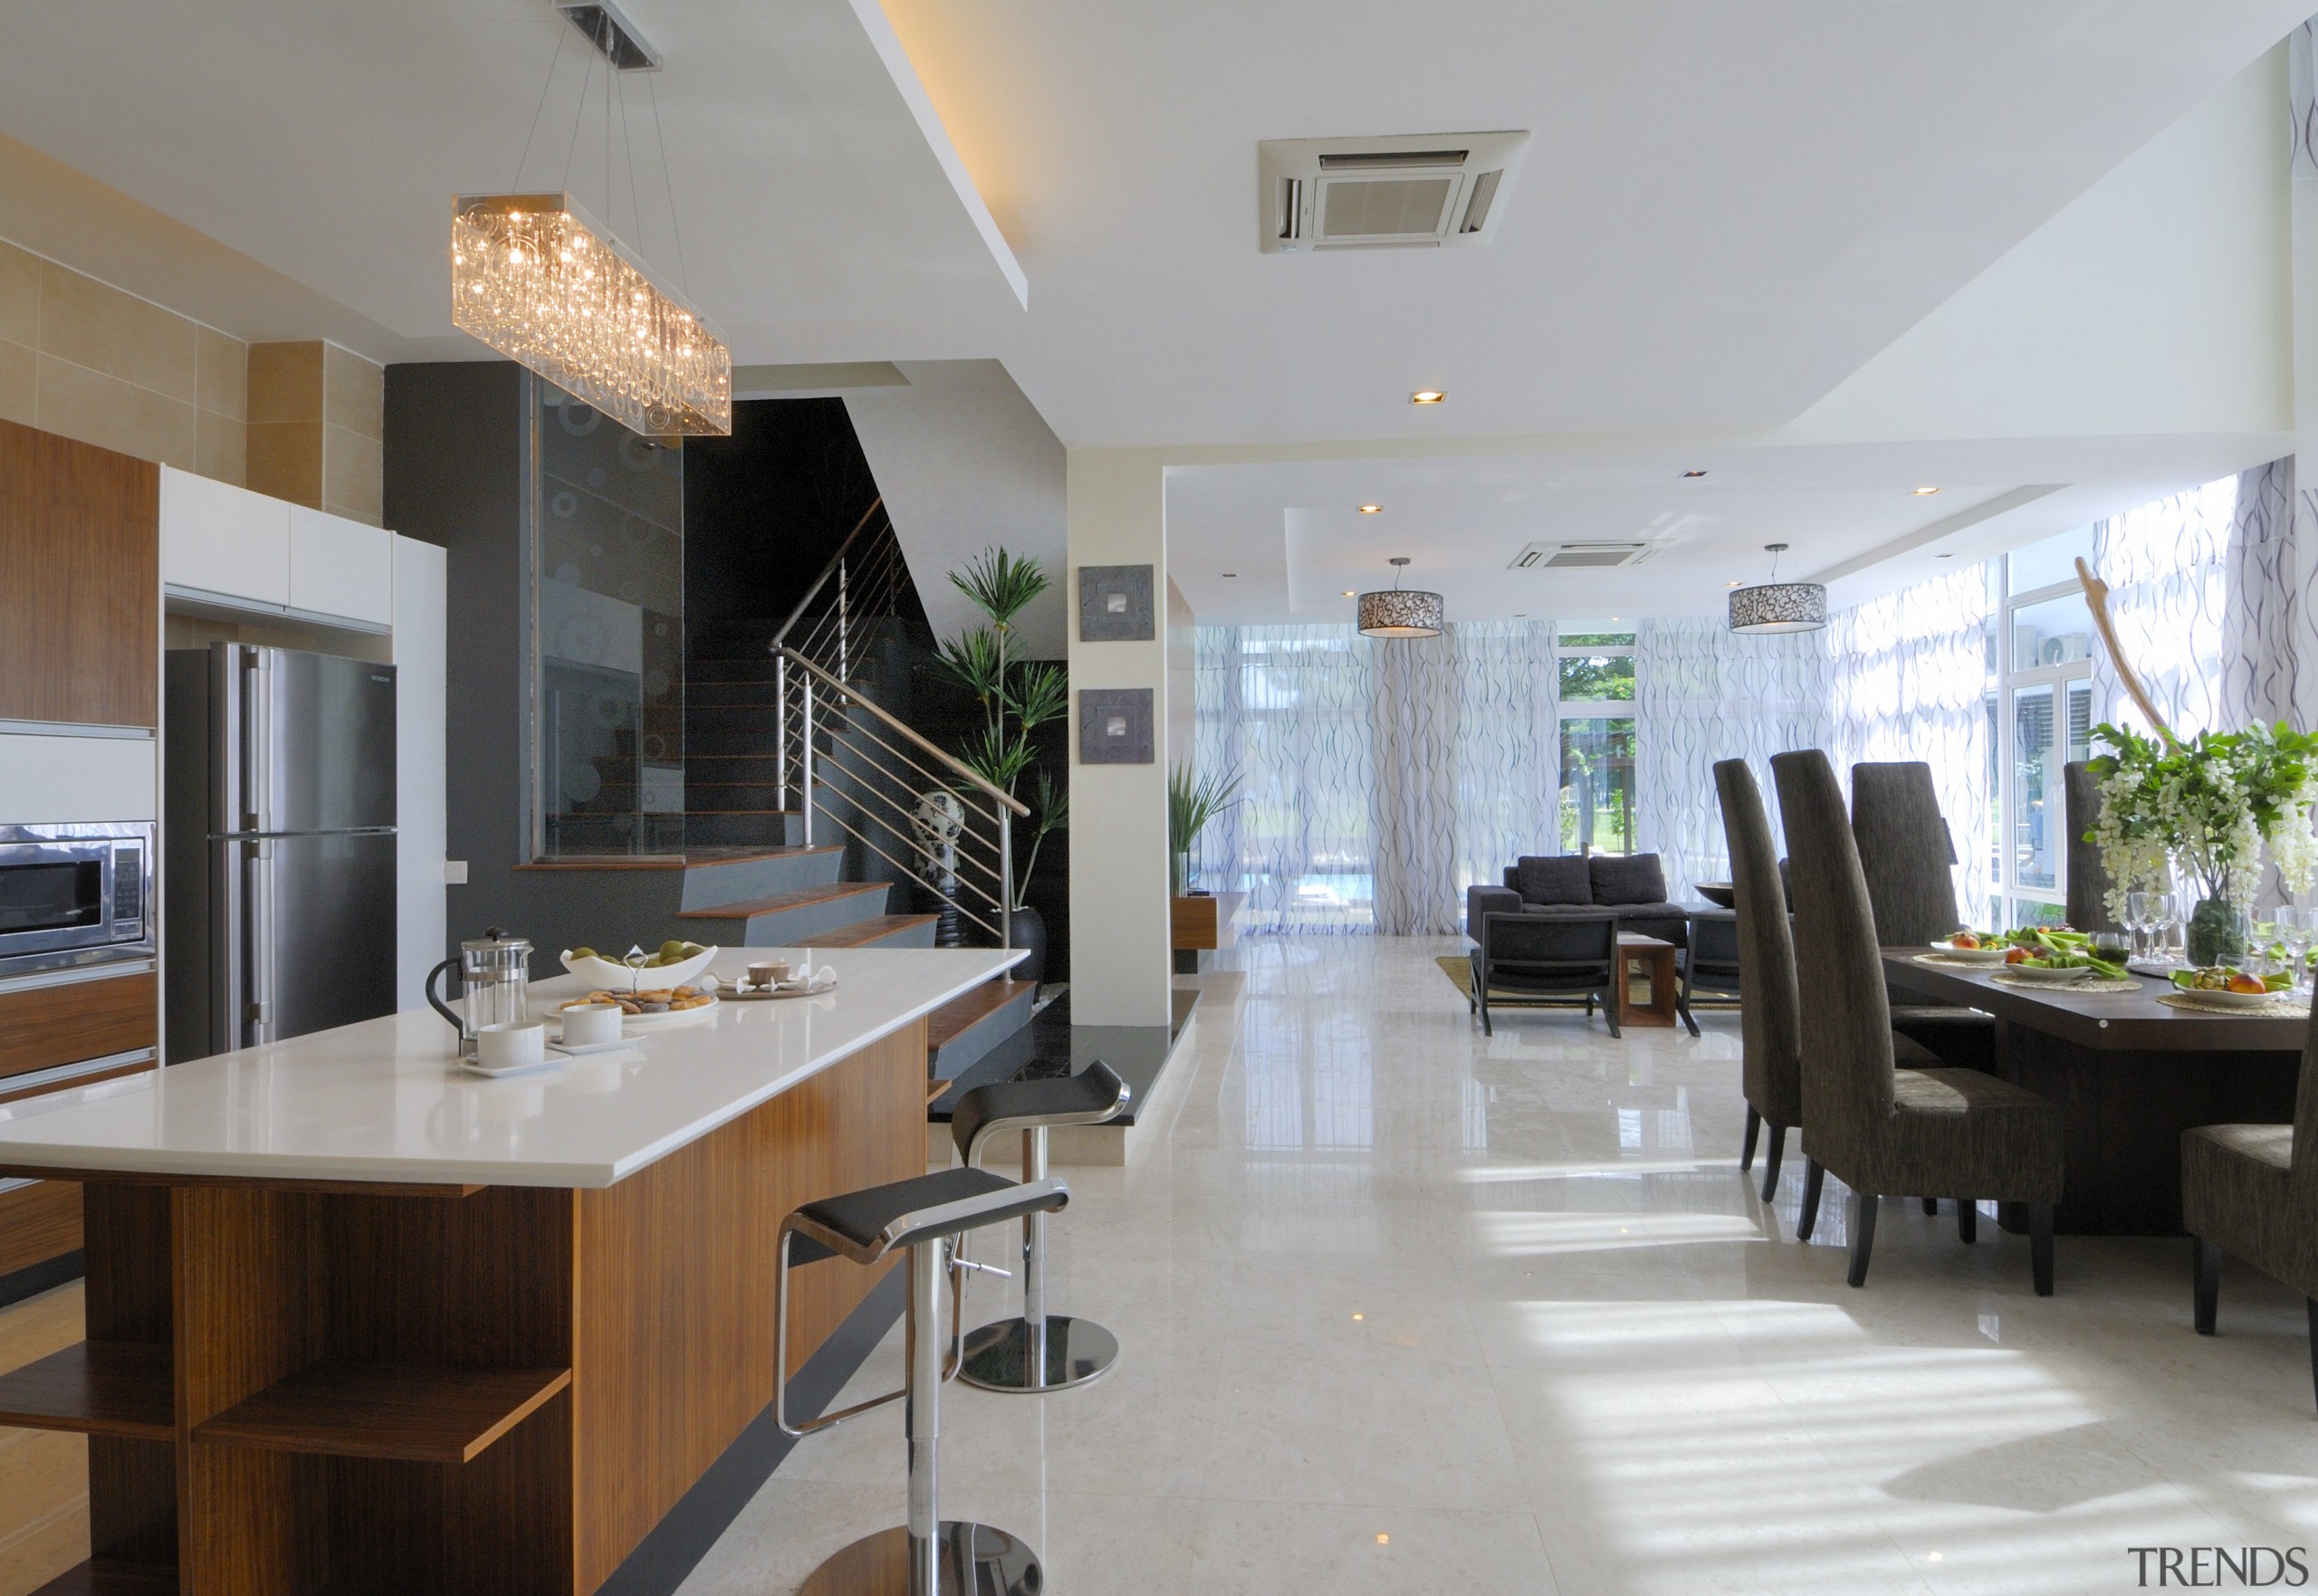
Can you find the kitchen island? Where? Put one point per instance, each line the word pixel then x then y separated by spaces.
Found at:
pixel 359 1320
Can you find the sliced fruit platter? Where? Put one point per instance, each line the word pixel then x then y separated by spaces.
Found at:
pixel 2224 987
pixel 2046 953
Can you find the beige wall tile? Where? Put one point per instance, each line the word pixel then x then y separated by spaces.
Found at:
pixel 285 457
pixel 353 475
pixel 95 325
pixel 285 382
pixel 77 403
pixel 354 392
pixel 19 384
pixel 223 374
pixel 221 447
pixel 19 295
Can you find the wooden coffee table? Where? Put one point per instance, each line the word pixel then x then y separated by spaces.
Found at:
pixel 1658 960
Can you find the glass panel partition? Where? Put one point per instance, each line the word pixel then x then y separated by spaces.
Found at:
pixel 608 546
pixel 1597 785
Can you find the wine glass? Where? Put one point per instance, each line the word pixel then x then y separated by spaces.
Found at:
pixel 2169 927
pixel 2261 940
pixel 2139 919
pixel 2294 928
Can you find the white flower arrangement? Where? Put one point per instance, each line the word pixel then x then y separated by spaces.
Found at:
pixel 2209 806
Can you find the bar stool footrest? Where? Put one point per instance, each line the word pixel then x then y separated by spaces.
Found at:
pixel 975 1561
pixel 1004 1356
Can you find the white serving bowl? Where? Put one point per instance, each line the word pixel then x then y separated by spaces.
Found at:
pixel 1970 955
pixel 609 975
pixel 2029 972
pixel 2232 999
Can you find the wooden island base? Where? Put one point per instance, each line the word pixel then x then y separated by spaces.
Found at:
pixel 292 1389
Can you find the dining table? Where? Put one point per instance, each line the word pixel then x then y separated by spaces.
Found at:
pixel 2130 1073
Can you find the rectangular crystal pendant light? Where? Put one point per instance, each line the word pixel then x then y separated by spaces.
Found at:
pixel 534 277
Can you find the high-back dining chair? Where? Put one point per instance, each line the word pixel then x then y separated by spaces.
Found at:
pixel 2251 1191
pixel 1770 1028
pixel 2088 874
pixel 1906 851
pixel 1934 1133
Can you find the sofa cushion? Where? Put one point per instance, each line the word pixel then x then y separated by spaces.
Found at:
pixel 1554 878
pixel 1627 878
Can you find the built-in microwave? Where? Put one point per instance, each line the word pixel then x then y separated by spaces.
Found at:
pixel 72 893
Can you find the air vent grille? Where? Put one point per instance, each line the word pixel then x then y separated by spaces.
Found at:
pixel 1387 207
pixel 1417 191
pixel 1579 557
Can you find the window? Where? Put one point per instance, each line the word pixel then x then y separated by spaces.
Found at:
pixel 2040 718
pixel 1594 671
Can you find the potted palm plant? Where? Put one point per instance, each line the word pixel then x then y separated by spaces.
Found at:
pixel 1017 697
pixel 1191 802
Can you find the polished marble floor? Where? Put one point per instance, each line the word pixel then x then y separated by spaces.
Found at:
pixel 1410 1310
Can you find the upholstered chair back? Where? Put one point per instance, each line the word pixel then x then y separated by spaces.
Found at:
pixel 1846 1016
pixel 1905 851
pixel 1768 1024
pixel 2088 874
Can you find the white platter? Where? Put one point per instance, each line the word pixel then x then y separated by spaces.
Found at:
pixel 2053 977
pixel 2212 999
pixel 1970 955
pixel 610 975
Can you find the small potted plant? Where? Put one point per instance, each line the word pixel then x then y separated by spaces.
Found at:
pixel 1191 802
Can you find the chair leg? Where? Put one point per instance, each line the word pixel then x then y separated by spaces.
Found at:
pixel 1806 1221
pixel 1747 1148
pixel 1609 1013
pixel 2205 1284
pixel 1486 1029
pixel 1771 1161
pixel 1968 1220
pixel 1590 1006
pixel 2040 1247
pixel 1863 1205
pixel 1682 1007
pixel 1932 1204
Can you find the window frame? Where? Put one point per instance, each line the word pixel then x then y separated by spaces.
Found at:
pixel 2006 895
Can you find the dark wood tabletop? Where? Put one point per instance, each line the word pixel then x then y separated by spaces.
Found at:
pixel 2136 1022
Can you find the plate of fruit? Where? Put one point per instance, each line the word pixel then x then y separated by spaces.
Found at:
pixel 671 965
pixel 1970 947
pixel 2224 987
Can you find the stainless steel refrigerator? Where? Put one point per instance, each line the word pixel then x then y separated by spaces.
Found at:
pixel 277 845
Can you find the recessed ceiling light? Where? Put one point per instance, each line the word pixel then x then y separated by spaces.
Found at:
pixel 1926 492
pixel 1694 474
pixel 1943 556
pixel 1372 509
pixel 1352 593
pixel 1427 396
pixel 1231 573
pixel 1733 582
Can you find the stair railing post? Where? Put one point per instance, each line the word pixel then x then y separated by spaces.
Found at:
pixel 843 673
pixel 780 727
pixel 805 763
pixel 1005 875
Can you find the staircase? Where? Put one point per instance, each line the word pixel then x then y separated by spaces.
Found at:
pixel 802 782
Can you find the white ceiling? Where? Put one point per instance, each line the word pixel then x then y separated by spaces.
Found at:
pixel 1726 213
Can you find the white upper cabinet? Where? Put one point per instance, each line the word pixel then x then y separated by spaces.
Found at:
pixel 342 568
pixel 225 540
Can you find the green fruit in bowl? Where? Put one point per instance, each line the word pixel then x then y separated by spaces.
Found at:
pixel 583 953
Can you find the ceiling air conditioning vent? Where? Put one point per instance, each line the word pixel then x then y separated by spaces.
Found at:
pixel 1580 557
pixel 1415 191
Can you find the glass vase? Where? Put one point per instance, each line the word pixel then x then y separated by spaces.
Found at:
pixel 2217 934
pixel 1179 873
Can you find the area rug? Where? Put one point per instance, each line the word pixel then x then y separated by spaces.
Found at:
pixel 1458 969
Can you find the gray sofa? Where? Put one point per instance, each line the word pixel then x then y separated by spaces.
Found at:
pixel 1632 886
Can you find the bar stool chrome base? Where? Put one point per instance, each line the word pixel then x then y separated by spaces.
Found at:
pixel 975 1560
pixel 1003 1357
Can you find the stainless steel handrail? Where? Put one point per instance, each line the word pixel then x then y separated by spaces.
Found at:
pixel 951 761
pixel 781 639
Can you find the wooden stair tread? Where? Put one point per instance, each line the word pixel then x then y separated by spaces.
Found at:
pixel 961 1013
pixel 395 1411
pixel 105 1577
pixel 799 898
pixel 118 1388
pixel 862 933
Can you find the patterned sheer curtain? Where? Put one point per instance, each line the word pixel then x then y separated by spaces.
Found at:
pixel 2170 569
pixel 2271 632
pixel 1378 779
pixel 1703 694
pixel 1287 707
pixel 1909 682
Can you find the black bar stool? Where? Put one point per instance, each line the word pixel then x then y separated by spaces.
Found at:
pixel 925 1214
pixel 1039 1351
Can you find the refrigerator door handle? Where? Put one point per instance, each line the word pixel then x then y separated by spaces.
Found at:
pixel 257 1026
pixel 257 742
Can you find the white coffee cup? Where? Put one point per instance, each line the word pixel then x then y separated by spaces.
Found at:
pixel 771 973
pixel 588 1023
pixel 506 1046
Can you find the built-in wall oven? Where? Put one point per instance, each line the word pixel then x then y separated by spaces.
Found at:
pixel 75 895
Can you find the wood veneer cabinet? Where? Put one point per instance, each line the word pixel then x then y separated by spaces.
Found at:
pixel 292 1388
pixel 80 582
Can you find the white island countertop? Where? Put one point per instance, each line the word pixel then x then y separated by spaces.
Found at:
pixel 386 1101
